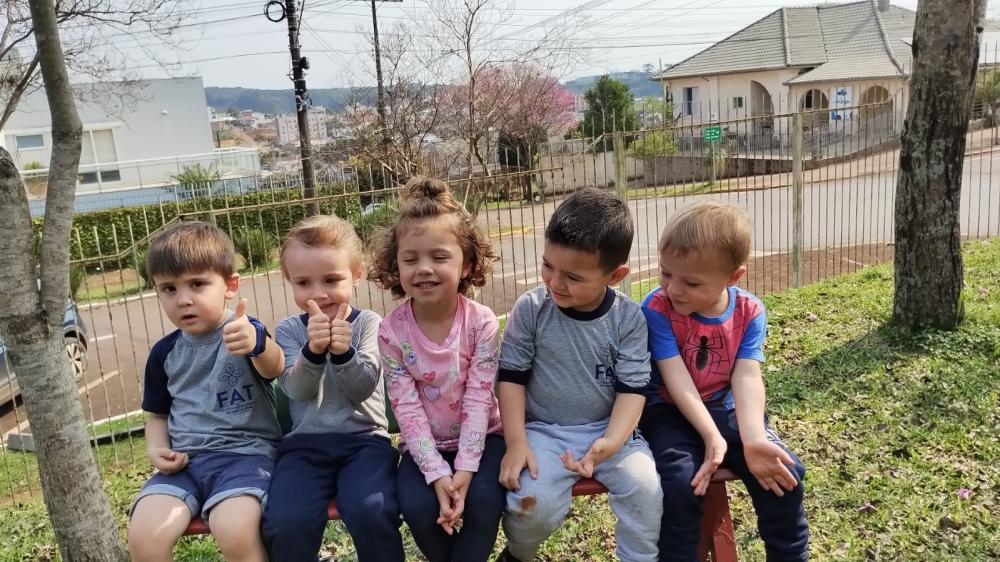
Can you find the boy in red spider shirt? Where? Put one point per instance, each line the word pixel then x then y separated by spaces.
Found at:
pixel 706 407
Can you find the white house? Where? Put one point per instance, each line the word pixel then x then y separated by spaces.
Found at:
pixel 827 58
pixel 138 141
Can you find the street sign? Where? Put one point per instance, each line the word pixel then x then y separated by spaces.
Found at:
pixel 712 133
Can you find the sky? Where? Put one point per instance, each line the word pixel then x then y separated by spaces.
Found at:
pixel 230 43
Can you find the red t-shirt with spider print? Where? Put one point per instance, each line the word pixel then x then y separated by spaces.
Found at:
pixel 709 346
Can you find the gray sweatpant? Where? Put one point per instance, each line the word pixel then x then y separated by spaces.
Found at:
pixel 537 509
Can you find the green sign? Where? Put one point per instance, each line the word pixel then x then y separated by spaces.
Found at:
pixel 712 133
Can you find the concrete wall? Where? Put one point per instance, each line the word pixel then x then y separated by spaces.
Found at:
pixel 582 170
pixel 165 119
pixel 687 169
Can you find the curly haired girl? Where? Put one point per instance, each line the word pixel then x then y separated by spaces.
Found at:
pixel 439 354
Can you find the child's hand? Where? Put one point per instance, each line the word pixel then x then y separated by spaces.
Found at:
pixel 340 331
pixel 239 334
pixel 318 328
pixel 514 461
pixel 769 464
pixel 715 451
pixel 599 452
pixel 458 490
pixel 446 514
pixel 167 461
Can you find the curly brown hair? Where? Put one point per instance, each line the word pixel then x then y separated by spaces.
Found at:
pixel 427 198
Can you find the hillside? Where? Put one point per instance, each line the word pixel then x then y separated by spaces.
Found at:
pixel 283 101
pixel 636 80
pixel 335 99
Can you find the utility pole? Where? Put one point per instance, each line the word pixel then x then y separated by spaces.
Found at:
pixel 382 121
pixel 299 65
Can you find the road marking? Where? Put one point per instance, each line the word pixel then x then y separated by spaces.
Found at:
pixel 98 382
pixel 101 338
pixel 848 260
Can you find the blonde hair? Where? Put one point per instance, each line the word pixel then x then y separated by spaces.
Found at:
pixel 325 232
pixel 709 225
pixel 427 198
pixel 191 247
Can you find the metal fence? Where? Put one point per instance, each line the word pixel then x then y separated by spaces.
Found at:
pixel 820 192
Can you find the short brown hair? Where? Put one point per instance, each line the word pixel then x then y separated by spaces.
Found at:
pixel 427 198
pixel 325 231
pixel 191 246
pixel 593 221
pixel 710 224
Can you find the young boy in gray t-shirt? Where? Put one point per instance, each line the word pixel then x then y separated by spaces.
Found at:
pixel 573 368
pixel 212 427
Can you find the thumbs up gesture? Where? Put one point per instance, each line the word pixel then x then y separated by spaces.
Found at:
pixel 239 335
pixel 318 328
pixel 340 331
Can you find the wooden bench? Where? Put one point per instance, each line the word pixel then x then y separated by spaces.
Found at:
pixel 717 540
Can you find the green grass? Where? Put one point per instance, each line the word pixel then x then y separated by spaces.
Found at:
pixel 120 425
pixel 895 420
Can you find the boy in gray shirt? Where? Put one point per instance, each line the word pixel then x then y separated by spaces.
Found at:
pixel 212 427
pixel 573 368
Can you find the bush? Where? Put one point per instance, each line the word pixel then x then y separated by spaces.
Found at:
pixel 256 246
pixel 138 263
pixel 196 180
pixel 472 204
pixel 380 217
pixel 101 229
pixel 77 275
pixel 653 145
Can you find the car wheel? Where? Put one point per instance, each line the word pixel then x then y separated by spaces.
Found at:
pixel 76 350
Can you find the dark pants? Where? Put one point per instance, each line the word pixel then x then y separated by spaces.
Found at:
pixel 484 505
pixel 679 452
pixel 359 471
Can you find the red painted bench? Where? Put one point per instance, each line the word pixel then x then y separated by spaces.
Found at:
pixel 717 540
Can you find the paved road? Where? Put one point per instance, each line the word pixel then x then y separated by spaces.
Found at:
pixel 854 211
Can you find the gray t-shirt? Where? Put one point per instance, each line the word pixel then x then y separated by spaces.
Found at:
pixel 214 402
pixel 334 393
pixel 574 363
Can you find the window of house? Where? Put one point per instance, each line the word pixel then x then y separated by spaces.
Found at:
pixel 27 142
pixel 689 99
pixel 738 102
pixel 98 148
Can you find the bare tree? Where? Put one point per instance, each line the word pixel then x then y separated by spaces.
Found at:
pixel 470 35
pixel 96 35
pixel 928 260
pixel 31 319
pixel 412 86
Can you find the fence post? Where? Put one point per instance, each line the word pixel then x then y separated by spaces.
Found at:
pixel 621 174
pixel 797 200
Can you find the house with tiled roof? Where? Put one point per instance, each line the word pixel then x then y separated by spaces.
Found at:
pixel 829 58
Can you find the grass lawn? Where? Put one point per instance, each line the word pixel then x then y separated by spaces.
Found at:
pixel 892 426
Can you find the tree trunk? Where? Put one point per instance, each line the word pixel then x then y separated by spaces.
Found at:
pixel 31 321
pixel 928 257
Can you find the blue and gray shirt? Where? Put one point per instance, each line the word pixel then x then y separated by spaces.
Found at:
pixel 214 401
pixel 334 393
pixel 573 364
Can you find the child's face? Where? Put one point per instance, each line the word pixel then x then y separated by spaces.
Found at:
pixel 697 282
pixel 575 279
pixel 324 275
pixel 431 262
pixel 195 302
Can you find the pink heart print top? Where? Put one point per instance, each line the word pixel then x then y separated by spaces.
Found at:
pixel 443 394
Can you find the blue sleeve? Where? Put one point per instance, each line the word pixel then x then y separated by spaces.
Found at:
pixel 752 346
pixel 155 396
pixel 662 342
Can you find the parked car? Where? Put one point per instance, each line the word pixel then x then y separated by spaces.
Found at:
pixel 75 338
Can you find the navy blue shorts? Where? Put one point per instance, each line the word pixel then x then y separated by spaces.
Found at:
pixel 210 478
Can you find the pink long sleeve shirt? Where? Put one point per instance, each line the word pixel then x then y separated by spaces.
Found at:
pixel 442 394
